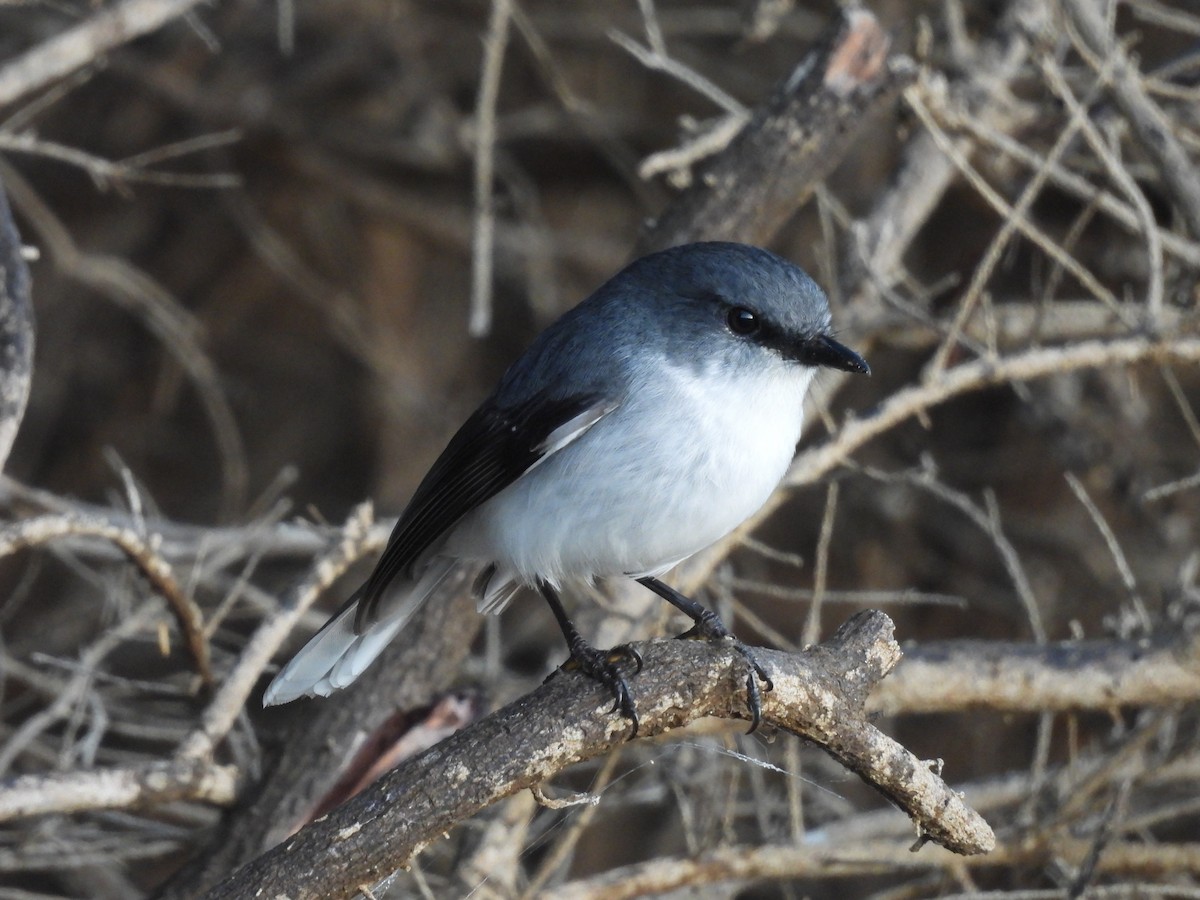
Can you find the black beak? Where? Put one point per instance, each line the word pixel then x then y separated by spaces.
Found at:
pixel 825 351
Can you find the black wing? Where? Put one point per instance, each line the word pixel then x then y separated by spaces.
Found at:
pixel 492 449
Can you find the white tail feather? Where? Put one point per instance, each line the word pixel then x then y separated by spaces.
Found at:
pixel 336 656
pixel 495 593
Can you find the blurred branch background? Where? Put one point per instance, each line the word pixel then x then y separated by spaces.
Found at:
pixel 284 249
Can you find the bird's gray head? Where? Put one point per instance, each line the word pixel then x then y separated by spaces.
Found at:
pixel 710 306
pixel 735 302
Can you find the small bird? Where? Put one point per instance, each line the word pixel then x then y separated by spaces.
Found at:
pixel 644 425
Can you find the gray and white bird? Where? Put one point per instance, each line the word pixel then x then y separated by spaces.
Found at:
pixel 644 425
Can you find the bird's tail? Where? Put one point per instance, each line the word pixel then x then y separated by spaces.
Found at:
pixel 336 655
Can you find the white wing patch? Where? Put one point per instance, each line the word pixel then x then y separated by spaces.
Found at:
pixel 497 585
pixel 571 430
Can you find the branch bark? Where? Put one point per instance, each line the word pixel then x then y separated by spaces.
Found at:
pixel 1022 677
pixel 1152 129
pixel 16 330
pixel 788 146
pixel 818 695
pixel 747 192
pixel 861 859
pixel 141 550
pixel 323 736
pixel 127 787
pixel 85 43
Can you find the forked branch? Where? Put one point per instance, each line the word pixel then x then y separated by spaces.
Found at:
pixel 818 695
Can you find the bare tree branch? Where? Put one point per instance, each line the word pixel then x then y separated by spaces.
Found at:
pixel 106 173
pixel 818 695
pixel 792 141
pixel 85 43
pixel 1152 128
pixel 230 699
pixel 323 736
pixel 483 233
pixel 906 403
pixel 131 787
pixel 132 289
pixel 860 859
pixel 16 330
pixel 140 550
pixel 1021 222
pixel 1061 676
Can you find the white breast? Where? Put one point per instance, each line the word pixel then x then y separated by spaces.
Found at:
pixel 682 462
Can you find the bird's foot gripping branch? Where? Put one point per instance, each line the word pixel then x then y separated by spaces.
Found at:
pixel 818 695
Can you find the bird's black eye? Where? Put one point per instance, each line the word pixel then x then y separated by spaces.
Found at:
pixel 743 321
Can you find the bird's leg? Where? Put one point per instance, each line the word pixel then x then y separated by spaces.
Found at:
pixel 599 665
pixel 710 627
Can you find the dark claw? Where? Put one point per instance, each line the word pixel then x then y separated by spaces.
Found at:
pixel 596 664
pixel 754 701
pixel 601 666
pixel 768 684
pixel 709 627
pixel 626 651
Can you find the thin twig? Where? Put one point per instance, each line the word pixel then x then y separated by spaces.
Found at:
pixel 918 101
pixel 1093 38
pixel 83 44
pixel 132 289
pixel 1119 174
pixel 143 552
pixel 987 264
pixel 132 787
pixel 230 700
pixel 1061 176
pixel 811 465
pixel 565 845
pixel 655 59
pixel 76 690
pixel 483 234
pixel 1114 547
pixel 812 625
pixel 106 173
pixel 987 519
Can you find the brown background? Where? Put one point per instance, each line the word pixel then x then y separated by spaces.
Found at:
pixel 328 295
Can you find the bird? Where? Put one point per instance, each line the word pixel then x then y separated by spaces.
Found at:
pixel 642 426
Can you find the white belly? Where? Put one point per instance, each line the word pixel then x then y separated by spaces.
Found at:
pixel 676 467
